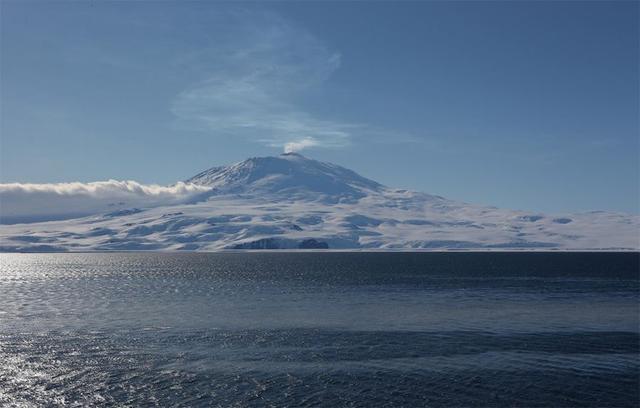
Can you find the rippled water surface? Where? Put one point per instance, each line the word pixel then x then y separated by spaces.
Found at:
pixel 320 329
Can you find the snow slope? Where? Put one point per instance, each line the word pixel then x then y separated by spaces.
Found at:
pixel 294 202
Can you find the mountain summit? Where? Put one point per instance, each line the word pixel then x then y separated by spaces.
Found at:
pixel 288 176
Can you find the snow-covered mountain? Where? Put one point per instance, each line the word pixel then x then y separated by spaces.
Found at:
pixel 291 201
pixel 288 177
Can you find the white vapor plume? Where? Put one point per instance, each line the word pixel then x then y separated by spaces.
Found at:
pixel 298 145
pixel 21 202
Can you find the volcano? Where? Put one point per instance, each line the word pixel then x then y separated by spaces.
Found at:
pixel 294 202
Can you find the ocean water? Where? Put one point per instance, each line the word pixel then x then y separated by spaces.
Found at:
pixel 320 329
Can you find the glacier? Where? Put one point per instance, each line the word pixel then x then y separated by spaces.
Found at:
pixel 294 202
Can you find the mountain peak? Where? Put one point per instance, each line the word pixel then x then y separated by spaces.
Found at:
pixel 292 154
pixel 289 174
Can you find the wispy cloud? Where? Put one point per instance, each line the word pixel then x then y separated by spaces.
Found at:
pixel 254 82
pixel 20 200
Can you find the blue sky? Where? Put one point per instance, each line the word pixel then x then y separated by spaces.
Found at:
pixel 515 104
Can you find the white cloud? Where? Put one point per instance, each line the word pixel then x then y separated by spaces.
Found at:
pixel 254 81
pixel 22 201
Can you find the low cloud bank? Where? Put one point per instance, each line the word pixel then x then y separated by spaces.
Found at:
pixel 25 202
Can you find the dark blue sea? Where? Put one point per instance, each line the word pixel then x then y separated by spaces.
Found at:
pixel 320 329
